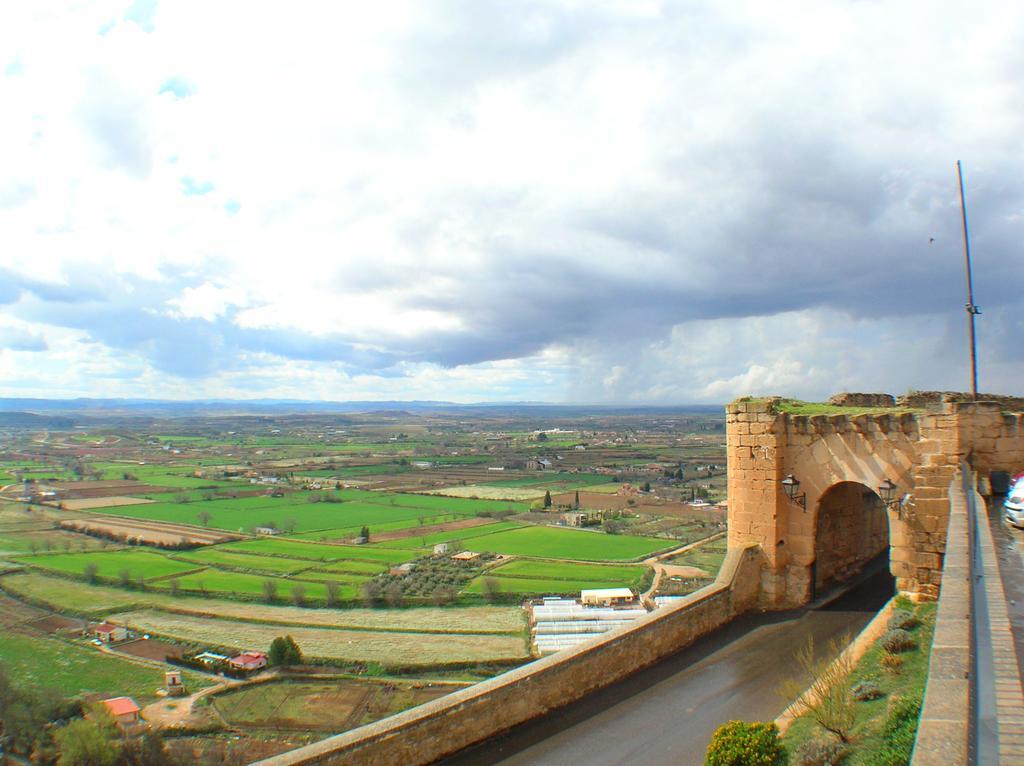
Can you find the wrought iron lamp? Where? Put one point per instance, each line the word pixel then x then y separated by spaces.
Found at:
pixel 888 491
pixel 792 486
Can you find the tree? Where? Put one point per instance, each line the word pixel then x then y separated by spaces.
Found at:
pixel 299 595
pixel 547 498
pixel 204 518
pixel 365 533
pixel 333 593
pixel 576 502
pixel 270 591
pixel 647 486
pixel 86 743
pixel 90 570
pixel 147 750
pixel 491 588
pixel 284 652
pixel 394 594
pixel 827 699
pixel 124 578
pixel 289 525
pixel 372 592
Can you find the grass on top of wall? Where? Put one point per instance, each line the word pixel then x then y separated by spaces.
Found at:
pixel 797 407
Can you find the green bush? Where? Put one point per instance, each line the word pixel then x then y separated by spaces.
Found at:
pixel 863 691
pixel 899 732
pixel 903 620
pixel 818 752
pixel 897 640
pixel 739 743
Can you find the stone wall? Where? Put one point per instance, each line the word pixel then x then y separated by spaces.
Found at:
pixel 862 400
pixel 442 727
pixel 919 452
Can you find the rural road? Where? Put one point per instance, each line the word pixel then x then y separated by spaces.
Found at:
pixel 665 715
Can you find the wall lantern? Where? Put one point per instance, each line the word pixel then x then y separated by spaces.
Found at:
pixel 792 486
pixel 888 492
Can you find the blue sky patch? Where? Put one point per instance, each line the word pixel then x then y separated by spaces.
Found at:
pixel 194 188
pixel 178 86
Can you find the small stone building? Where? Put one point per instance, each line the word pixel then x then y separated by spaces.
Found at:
pixel 123 710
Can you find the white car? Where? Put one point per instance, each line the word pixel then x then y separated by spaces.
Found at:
pixel 1013 506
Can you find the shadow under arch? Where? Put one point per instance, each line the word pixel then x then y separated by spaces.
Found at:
pixel 851 531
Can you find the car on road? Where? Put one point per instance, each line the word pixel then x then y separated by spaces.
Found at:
pixel 1013 506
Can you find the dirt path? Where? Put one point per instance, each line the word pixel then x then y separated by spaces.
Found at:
pixel 672 570
pixel 170 712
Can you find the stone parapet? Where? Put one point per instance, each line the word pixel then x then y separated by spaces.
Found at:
pixel 436 729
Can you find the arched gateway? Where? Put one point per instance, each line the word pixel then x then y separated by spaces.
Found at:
pixel 808 488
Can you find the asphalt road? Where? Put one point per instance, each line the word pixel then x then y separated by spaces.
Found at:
pixel 665 715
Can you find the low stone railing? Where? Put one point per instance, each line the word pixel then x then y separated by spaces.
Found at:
pixel 444 726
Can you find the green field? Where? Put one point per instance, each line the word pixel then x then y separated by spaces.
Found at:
pixel 110 564
pixel 347 567
pixel 41 663
pixel 292 511
pixel 216 581
pixel 469 537
pixel 527 586
pixel 81 598
pixel 573 544
pixel 347 533
pixel 318 552
pixel 571 571
pixel 219 558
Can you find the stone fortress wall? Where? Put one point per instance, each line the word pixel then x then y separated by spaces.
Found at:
pixel 431 731
pixel 918 450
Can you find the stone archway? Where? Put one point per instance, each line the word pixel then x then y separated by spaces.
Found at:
pixel 851 529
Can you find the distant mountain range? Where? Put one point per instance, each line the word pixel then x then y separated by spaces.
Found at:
pixel 26 408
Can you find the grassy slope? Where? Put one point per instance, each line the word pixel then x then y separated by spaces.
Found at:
pixel 870 716
pixel 48 662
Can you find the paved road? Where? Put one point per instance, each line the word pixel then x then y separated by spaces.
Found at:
pixel 664 716
pixel 1009 542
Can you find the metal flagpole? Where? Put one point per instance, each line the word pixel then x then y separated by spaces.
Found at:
pixel 972 310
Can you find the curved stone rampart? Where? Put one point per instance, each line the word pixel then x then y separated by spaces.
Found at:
pixel 431 731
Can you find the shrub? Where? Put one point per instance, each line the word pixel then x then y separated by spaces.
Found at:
pixel 903 620
pixel 898 733
pixel 897 640
pixel 817 752
pixel 892 663
pixel 863 691
pixel 739 743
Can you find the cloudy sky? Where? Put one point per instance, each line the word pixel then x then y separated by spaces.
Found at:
pixel 612 201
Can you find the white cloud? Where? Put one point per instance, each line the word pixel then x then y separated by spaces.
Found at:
pixel 608 201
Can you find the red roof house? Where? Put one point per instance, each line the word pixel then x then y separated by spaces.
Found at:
pixel 249 661
pixel 123 709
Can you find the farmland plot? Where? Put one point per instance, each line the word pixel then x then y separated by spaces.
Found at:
pixel 110 564
pixel 319 552
pixel 388 648
pixel 571 571
pixel 573 544
pixel 61 594
pixel 41 663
